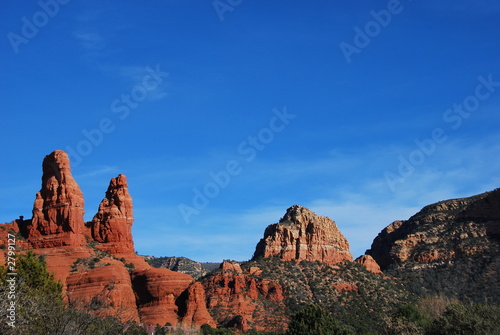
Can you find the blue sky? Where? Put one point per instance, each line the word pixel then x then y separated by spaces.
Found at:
pixel 223 114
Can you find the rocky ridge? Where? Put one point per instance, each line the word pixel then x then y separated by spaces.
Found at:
pixel 179 264
pixel 441 231
pixel 449 248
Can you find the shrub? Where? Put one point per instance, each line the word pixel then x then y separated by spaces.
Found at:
pixel 313 320
pixel 459 319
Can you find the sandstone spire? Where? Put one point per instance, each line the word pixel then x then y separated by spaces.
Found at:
pixel 303 235
pixel 113 222
pixel 58 209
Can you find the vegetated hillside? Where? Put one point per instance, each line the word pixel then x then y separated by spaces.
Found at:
pixel 179 264
pixel 358 298
pixel 450 248
pixel 210 265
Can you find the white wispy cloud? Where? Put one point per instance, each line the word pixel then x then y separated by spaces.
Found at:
pixel 91 41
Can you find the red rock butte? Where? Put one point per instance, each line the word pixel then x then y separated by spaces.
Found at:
pixel 302 235
pixel 96 259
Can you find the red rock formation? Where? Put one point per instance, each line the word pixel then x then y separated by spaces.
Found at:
pixel 125 284
pixel 235 299
pixel 231 267
pixel 112 224
pixel 9 237
pixel 58 209
pixel 369 263
pixel 105 291
pixel 157 292
pixel 303 235
pixel 196 312
pixel 442 231
pixel 59 260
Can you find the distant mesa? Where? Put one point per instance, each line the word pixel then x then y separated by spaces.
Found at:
pixel 301 235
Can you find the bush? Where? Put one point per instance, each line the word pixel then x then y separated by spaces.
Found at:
pixel 313 320
pixel 459 319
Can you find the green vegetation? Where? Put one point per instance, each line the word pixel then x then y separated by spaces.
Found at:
pixel 208 330
pixel 343 299
pixel 358 299
pixel 470 279
pixel 313 320
pixel 441 316
pixel 460 319
pixel 40 308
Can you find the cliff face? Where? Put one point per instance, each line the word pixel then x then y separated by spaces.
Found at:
pixel 107 290
pixel 58 209
pixel 302 235
pixel 441 231
pixel 167 296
